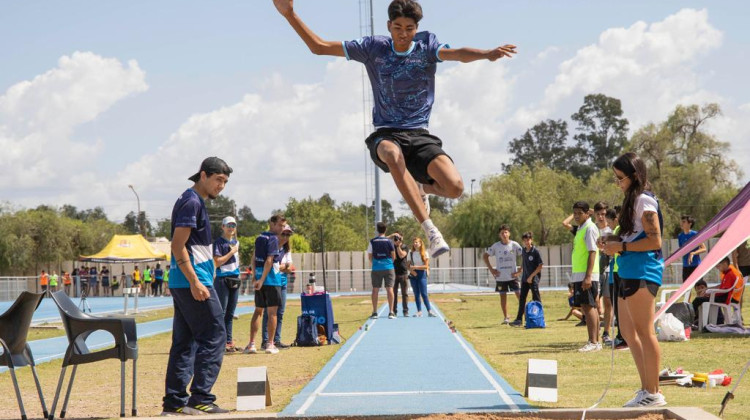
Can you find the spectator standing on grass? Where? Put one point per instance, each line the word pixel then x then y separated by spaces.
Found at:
pixel 613 278
pixel 44 281
pixel 531 264
pixel 381 252
pixel 505 272
pixel 640 269
pixel 401 270
pixel 137 278
pixel 227 280
pixel 284 260
pixel 267 283
pixel 605 298
pixel 66 282
pixel 158 283
pixel 93 281
pixel 76 277
pixel 166 281
pixel 198 334
pixel 53 281
pixel 105 281
pixel 419 270
pixel 585 261
pixel 692 259
pixel 147 280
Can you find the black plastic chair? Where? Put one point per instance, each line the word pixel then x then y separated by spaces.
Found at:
pixel 78 326
pixel 14 331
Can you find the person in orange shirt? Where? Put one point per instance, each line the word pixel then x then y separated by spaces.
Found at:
pixel 67 281
pixel 731 281
pixel 44 281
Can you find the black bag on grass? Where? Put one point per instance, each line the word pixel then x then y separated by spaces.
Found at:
pixel 307 331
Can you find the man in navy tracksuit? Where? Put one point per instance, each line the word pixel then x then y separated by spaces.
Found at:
pixel 198 333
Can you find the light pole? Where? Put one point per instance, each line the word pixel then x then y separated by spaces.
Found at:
pixel 137 216
pixel 472 187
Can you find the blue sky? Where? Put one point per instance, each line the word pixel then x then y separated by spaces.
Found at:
pixel 157 86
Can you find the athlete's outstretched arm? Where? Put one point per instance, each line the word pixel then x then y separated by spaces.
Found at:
pixel 466 55
pixel 317 45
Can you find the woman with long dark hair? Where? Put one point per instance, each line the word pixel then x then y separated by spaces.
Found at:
pixel 640 268
pixel 419 268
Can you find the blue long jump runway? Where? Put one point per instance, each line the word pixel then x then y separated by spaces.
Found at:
pixel 405 366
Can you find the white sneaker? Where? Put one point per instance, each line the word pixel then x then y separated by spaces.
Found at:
pixel 271 349
pixel 589 347
pixel 438 246
pixel 506 321
pixel 635 399
pixel 250 349
pixel 391 316
pixel 650 400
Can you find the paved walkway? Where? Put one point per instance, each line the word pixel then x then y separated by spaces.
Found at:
pixel 405 366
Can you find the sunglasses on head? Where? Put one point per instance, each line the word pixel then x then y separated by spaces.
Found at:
pixel 231 225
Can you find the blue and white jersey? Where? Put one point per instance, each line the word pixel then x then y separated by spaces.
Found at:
pixel 267 244
pixel 231 268
pixel 403 84
pixel 381 248
pixel 284 257
pixel 190 211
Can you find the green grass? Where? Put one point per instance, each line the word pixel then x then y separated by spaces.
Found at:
pixel 55 329
pixel 582 377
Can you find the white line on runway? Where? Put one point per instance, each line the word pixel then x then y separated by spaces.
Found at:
pixel 327 379
pixel 508 401
pixel 392 393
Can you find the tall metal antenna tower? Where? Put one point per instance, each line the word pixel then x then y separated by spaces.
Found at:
pixel 372 175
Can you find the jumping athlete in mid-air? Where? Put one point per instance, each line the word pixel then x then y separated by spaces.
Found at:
pixel 402 74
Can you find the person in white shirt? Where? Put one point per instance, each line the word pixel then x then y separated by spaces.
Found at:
pixel 506 271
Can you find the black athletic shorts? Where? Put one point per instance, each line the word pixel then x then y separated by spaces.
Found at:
pixel 628 287
pixel 687 271
pixel 503 287
pixel 418 146
pixel 268 296
pixel 585 297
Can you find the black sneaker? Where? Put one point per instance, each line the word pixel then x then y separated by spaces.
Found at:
pixel 170 411
pixel 208 408
pixel 581 324
pixel 282 346
pixel 374 315
pixel 516 323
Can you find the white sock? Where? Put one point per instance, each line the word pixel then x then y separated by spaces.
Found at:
pixel 428 227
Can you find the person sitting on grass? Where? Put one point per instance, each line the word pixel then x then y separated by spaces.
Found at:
pixel 574 310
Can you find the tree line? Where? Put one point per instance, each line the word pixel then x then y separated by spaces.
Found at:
pixel 690 169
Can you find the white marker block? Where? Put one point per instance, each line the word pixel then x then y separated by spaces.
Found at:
pixel 253 388
pixel 541 380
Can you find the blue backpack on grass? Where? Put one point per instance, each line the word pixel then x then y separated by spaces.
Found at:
pixel 307 331
pixel 535 315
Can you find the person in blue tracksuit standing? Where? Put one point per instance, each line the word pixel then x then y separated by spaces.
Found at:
pixel 227 281
pixel 284 260
pixel 198 333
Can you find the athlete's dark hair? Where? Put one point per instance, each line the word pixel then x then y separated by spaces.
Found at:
pixel 405 8
pixel 611 214
pixel 581 205
pixel 635 169
pixel 528 235
pixel 700 282
pixel 381 227
pixel 503 227
pixel 601 205
pixel 690 219
pixel 276 218
pixel 725 260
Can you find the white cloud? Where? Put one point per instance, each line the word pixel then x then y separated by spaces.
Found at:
pixel 650 67
pixel 38 116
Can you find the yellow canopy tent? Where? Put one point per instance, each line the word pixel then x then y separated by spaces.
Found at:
pixel 126 248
